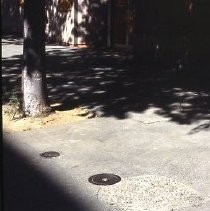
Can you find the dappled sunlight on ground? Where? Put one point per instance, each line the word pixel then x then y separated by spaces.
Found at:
pixel 14 122
pixel 106 82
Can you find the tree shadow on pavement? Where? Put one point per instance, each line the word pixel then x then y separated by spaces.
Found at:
pixel 105 81
pixel 12 39
pixel 201 127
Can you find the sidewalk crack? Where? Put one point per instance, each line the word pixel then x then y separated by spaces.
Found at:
pixel 147 123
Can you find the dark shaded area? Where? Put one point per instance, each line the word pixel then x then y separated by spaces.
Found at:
pixel 172 34
pixel 93 28
pixel 166 32
pixel 26 188
pixel 169 68
pixel 11 14
pixel 34 37
pixel 11 78
pixel 104 80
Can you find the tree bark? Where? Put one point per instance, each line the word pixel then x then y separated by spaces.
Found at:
pixel 34 86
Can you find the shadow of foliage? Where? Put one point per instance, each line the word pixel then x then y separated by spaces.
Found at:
pixel 12 40
pixel 170 69
pixel 93 27
pixel 104 81
pixel 56 22
pixel 202 127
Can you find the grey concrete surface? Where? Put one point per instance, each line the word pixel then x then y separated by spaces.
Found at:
pixel 164 165
pixel 12 47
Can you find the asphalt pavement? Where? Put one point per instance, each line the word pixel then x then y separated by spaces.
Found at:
pixel 163 165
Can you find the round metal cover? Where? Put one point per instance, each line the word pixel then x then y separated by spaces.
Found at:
pixel 104 179
pixel 50 154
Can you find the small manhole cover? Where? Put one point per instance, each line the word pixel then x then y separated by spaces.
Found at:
pixel 50 154
pixel 104 179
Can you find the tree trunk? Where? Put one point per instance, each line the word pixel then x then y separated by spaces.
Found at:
pixel 34 85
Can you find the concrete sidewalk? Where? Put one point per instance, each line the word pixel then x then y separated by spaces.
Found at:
pixel 163 165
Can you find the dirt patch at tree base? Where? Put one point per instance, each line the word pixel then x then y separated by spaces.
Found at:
pixel 14 122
